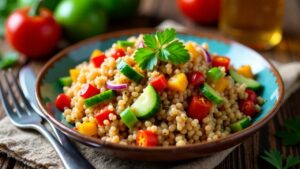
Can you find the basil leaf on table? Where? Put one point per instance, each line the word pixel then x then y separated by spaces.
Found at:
pixel 290 136
pixel 275 158
pixel 8 60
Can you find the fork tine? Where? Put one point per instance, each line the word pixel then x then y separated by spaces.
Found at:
pixel 7 108
pixel 25 101
pixel 11 93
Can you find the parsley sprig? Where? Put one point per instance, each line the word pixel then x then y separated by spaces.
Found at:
pixel 163 46
pixel 275 158
pixel 291 136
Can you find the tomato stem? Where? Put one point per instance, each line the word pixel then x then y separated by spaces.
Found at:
pixel 34 11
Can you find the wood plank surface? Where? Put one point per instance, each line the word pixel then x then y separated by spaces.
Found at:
pixel 247 155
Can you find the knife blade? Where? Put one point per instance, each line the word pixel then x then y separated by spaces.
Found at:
pixel 27 80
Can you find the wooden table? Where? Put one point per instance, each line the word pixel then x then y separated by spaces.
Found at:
pixel 247 155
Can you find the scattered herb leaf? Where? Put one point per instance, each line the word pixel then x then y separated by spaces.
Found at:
pixel 146 58
pixel 8 60
pixel 164 46
pixel 292 161
pixel 274 157
pixel 2 26
pixel 291 136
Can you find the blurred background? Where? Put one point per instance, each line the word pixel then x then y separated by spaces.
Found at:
pixel 259 24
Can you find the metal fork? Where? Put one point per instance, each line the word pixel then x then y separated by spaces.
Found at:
pixel 23 116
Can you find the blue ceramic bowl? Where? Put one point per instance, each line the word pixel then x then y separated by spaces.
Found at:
pixel 47 89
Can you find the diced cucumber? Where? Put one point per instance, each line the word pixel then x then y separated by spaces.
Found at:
pixel 99 98
pixel 124 43
pixel 129 72
pixel 211 94
pixel 128 117
pixel 147 104
pixel 65 81
pixel 250 83
pixel 214 74
pixel 241 124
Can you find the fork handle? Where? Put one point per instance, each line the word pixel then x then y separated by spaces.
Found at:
pixel 70 160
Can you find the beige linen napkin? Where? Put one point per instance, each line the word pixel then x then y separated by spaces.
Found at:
pixel 32 149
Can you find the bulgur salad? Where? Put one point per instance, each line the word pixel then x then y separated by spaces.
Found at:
pixel 156 90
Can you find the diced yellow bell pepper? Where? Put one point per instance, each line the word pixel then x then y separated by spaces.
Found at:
pixel 221 84
pixel 246 71
pixel 192 50
pixel 178 82
pixel 88 128
pixel 96 53
pixel 74 74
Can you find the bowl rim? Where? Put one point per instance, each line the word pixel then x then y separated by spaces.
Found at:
pixel 205 147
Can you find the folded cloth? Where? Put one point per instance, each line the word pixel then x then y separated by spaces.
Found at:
pixel 32 149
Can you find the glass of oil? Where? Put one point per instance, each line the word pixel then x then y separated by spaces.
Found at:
pixel 256 23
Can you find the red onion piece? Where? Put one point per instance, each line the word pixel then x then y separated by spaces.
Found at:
pixel 112 86
pixel 206 54
pixel 141 44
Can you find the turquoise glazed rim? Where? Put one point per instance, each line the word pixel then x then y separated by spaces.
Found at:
pixel 47 87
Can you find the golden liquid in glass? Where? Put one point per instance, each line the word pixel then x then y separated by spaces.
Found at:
pixel 256 23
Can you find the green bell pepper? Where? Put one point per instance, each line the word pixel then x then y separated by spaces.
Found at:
pixel 81 19
pixel 120 9
pixel 50 4
pixel 214 74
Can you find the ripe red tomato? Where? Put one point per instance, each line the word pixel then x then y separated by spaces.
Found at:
pixel 202 11
pixel 34 36
pixel 251 95
pixel 196 78
pixel 248 107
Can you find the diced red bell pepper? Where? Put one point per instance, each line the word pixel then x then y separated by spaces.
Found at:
pixel 103 115
pixel 221 61
pixel 62 101
pixel 196 78
pixel 159 83
pixel 146 138
pixel 247 107
pixel 88 91
pixel 118 53
pixel 98 60
pixel 199 108
pixel 251 95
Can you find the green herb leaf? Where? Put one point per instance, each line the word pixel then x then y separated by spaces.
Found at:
pixel 175 53
pixel 150 41
pixel 291 161
pixel 274 158
pixel 8 60
pixel 161 46
pixel 146 59
pixel 166 36
pixel 291 136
